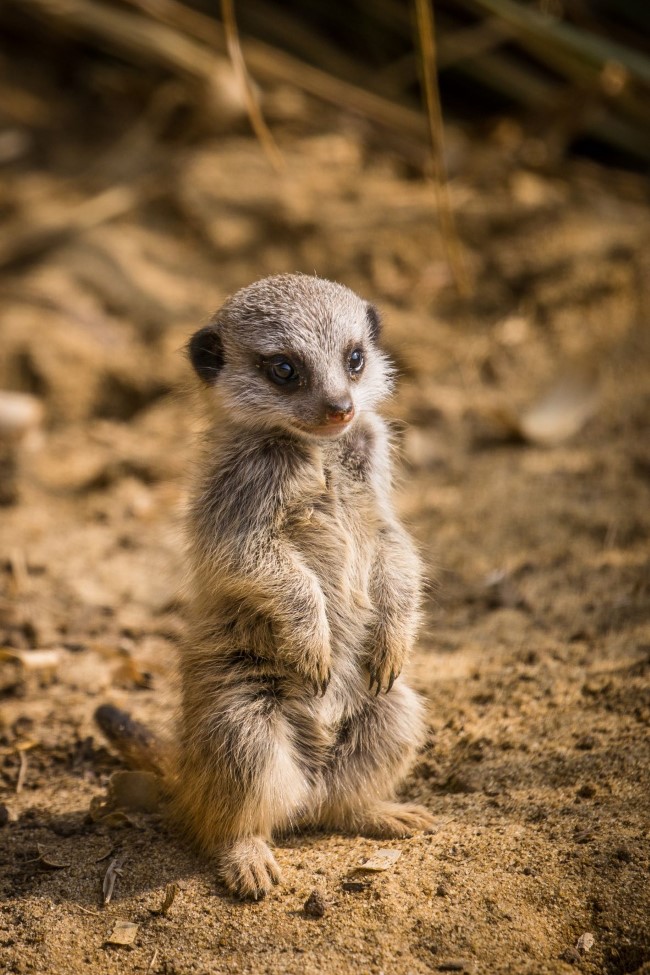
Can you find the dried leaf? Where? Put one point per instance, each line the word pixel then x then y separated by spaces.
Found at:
pixel 73 852
pixel 53 858
pixel 124 933
pixel 110 877
pixel 381 860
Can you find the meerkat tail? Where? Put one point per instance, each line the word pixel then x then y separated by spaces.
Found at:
pixel 137 745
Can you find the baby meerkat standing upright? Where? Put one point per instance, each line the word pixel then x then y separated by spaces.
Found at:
pixel 304 586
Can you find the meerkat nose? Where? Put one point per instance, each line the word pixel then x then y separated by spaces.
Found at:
pixel 340 412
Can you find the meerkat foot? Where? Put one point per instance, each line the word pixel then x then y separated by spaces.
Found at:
pixel 248 868
pixel 394 820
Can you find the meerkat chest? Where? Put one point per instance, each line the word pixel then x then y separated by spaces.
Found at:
pixel 336 524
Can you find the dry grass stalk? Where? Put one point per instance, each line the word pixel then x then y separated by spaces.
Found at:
pixel 559 42
pixel 119 30
pixel 278 67
pixel 427 42
pixel 260 128
pixel 22 771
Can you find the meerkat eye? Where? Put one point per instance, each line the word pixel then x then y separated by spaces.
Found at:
pixel 281 371
pixel 356 361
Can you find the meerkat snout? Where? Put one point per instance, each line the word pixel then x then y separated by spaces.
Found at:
pixel 341 412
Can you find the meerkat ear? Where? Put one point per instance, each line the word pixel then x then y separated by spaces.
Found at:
pixel 374 322
pixel 206 354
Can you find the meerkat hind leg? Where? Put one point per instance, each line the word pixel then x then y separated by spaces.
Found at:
pixel 240 782
pixel 373 753
pixel 390 820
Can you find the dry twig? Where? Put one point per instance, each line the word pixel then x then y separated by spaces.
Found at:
pixel 22 771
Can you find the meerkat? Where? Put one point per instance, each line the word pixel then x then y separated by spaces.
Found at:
pixel 304 588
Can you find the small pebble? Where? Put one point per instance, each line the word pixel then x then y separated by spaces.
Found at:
pixel 354 886
pixel 456 965
pixel 585 942
pixel 571 956
pixel 19 413
pixel 314 906
pixel 586 791
pixel 586 743
pixel 441 891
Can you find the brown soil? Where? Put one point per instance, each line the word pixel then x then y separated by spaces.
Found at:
pixel 535 655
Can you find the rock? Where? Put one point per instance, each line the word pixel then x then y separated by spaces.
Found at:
pixel 19 414
pixel 585 942
pixel 586 743
pixel 571 956
pixel 315 906
pixel 586 791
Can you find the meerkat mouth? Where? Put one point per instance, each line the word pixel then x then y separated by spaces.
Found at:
pixel 328 431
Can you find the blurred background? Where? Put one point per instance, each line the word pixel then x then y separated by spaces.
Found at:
pixel 154 157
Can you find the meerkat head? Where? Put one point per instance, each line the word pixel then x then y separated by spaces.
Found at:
pixel 296 353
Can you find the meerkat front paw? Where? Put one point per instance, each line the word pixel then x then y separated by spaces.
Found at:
pixel 306 651
pixel 316 668
pixel 248 868
pixel 385 665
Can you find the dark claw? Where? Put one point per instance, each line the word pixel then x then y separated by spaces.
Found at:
pixel 378 691
pixel 393 678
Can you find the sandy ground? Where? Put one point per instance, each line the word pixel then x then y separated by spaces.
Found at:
pixel 535 654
